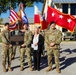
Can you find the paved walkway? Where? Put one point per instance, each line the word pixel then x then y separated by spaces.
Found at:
pixel 67 63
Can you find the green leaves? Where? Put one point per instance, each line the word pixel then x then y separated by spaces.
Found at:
pixel 5 4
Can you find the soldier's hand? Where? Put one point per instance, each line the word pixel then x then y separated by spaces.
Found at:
pixel 52 44
pixel 23 30
pixel 10 45
pixel 23 45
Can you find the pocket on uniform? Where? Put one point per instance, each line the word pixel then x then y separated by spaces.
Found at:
pixel 56 53
pixel 49 51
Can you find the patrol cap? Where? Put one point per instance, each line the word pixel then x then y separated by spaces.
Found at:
pixel 6 24
pixel 39 27
pixel 52 22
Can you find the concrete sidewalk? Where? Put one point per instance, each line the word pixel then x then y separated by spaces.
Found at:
pixel 67 63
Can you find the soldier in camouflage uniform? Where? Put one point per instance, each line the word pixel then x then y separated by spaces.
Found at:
pixel 53 38
pixel 13 52
pixel 6 48
pixel 25 48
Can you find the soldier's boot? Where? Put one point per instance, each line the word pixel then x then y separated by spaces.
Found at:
pixel 58 70
pixel 21 68
pixel 49 69
pixel 30 68
pixel 4 68
pixel 10 69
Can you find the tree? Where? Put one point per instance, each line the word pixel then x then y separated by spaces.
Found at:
pixel 5 4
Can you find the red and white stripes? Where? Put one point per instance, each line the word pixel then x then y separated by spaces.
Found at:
pixel 13 17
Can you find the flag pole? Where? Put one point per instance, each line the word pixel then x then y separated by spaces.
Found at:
pixel 19 21
pixel 19 16
pixel 43 7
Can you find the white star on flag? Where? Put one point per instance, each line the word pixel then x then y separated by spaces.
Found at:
pixel 60 16
pixel 69 20
pixel 53 14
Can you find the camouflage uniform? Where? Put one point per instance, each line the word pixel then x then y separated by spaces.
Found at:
pixel 13 51
pixel 27 41
pixel 56 37
pixel 6 49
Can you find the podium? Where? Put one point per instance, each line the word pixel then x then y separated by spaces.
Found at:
pixel 16 37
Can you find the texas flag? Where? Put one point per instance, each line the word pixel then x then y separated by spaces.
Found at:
pixel 24 18
pixel 44 23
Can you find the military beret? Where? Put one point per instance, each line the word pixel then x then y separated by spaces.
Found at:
pixel 39 27
pixel 52 22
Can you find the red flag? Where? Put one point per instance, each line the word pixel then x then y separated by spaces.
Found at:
pixel 65 21
pixel 44 23
pixel 67 15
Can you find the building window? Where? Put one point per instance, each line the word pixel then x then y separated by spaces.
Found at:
pixel 73 9
pixel 65 10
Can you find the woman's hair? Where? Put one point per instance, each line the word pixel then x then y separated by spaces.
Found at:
pixel 36 27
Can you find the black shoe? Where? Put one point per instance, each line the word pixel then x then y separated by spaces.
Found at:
pixel 38 69
pixel 13 58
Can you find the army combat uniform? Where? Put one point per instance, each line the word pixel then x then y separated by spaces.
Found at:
pixel 6 50
pixel 54 36
pixel 26 49
pixel 13 52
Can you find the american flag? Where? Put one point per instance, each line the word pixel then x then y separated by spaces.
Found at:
pixel 13 26
pixel 13 17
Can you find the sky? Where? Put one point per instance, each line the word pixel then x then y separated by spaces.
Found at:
pixel 28 10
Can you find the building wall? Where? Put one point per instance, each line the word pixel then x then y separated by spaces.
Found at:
pixel 1 27
pixel 31 27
